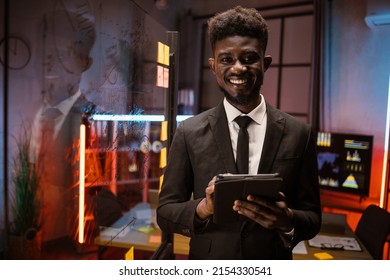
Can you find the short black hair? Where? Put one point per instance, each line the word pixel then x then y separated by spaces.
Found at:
pixel 238 21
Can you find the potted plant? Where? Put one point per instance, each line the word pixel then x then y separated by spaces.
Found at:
pixel 26 203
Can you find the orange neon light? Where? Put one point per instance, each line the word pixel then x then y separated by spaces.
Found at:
pixel 82 182
pixel 385 154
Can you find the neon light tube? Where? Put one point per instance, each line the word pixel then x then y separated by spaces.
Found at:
pixel 180 118
pixel 385 151
pixel 136 118
pixel 82 182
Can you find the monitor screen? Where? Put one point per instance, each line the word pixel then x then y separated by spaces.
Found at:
pixel 344 162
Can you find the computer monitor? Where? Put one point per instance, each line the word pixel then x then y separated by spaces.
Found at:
pixel 344 162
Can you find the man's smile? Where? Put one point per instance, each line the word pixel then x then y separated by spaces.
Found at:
pixel 238 81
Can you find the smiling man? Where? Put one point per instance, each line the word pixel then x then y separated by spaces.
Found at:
pixel 209 144
pixel 239 67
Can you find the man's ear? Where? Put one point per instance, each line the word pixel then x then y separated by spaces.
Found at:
pixel 211 62
pixel 267 62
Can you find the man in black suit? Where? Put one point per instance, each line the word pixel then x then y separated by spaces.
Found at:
pixel 206 145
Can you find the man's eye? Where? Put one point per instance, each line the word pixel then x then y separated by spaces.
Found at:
pixel 226 60
pixel 250 59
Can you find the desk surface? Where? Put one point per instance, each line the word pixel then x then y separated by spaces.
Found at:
pixel 144 241
pixel 336 254
pixel 151 241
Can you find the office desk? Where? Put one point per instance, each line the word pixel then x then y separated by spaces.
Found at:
pixel 125 234
pixel 151 241
pixel 144 241
pixel 337 254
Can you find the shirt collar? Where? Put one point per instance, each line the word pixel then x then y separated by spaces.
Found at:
pixel 65 105
pixel 257 114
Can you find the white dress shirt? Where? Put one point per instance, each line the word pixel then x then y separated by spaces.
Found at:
pixel 65 106
pixel 256 131
pixel 36 132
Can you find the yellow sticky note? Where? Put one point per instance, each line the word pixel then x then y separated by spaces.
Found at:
pixel 146 229
pixel 163 53
pixel 163 157
pixel 166 55
pixel 160 52
pixel 323 256
pixel 130 254
pixel 164 131
pixel 161 181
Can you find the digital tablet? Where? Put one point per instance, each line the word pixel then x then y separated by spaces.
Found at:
pixel 230 187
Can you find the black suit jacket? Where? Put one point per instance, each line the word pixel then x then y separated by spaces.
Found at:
pixel 201 149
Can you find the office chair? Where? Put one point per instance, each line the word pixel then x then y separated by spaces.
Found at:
pixel 106 208
pixel 373 229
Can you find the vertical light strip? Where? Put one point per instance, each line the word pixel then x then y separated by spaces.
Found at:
pixel 385 151
pixel 114 158
pixel 82 182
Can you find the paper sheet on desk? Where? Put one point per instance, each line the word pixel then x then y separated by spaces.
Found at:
pixel 349 243
pixel 300 248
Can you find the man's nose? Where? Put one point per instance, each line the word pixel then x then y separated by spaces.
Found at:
pixel 238 67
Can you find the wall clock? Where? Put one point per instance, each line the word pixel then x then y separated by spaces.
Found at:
pixel 19 53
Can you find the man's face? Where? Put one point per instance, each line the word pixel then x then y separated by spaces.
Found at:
pixel 239 66
pixel 71 38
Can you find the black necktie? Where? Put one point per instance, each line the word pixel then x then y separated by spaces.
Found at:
pixel 50 117
pixel 242 158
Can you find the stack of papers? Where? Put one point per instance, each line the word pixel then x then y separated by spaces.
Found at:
pixel 330 242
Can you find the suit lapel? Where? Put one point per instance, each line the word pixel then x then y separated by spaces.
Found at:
pixel 273 136
pixel 275 126
pixel 220 130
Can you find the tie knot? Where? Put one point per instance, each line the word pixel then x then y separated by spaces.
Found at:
pixel 243 121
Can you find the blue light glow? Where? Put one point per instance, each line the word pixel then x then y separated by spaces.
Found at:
pixel 135 118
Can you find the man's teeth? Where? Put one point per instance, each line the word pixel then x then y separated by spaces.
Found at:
pixel 238 82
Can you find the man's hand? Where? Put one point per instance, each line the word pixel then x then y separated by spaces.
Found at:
pixel 270 215
pixel 205 207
